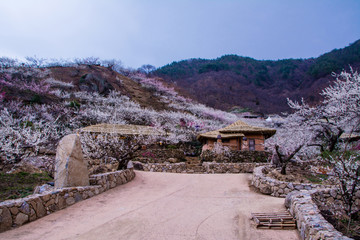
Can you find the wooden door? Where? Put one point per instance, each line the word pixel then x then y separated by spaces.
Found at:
pixel 252 144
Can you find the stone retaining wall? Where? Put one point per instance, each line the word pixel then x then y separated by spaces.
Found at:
pixel 333 197
pixel 273 187
pixel 310 223
pixel 17 212
pixel 235 156
pixel 206 167
pixel 159 155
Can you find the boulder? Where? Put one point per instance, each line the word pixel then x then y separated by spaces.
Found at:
pixel 172 160
pixel 24 167
pixel 5 219
pixel 265 189
pixel 35 164
pixel 70 166
pixel 130 165
pixel 21 218
pixel 43 188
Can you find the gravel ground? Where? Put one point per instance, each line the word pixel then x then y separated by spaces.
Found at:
pixel 163 206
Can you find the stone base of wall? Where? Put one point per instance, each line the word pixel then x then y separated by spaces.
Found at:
pixel 276 188
pixel 310 223
pixel 206 167
pixel 236 156
pixel 17 212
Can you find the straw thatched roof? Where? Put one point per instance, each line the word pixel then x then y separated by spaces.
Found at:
pixel 350 137
pixel 123 129
pixel 215 134
pixel 238 129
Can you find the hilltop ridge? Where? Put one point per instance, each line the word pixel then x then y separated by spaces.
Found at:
pixel 233 81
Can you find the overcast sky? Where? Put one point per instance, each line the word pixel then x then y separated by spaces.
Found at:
pixel 159 32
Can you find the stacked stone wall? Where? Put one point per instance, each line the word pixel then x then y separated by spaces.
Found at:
pixel 236 156
pixel 17 212
pixel 159 155
pixel 310 223
pixel 206 167
pixel 277 188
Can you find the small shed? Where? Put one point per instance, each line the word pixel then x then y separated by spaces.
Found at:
pixel 237 136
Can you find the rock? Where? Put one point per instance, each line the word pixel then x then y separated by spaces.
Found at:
pixel 40 209
pixel 78 197
pixel 90 194
pixel 32 215
pixel 172 160
pixel 24 167
pixel 5 219
pixel 46 151
pixel 14 210
pixel 61 204
pixel 35 164
pixel 25 208
pixel 50 202
pixel 43 188
pixel 70 166
pixel 21 218
pixel 130 165
pixel 70 201
pixel 138 166
pixel 265 189
pixel 46 197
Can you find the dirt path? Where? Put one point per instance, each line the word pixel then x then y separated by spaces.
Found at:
pixel 163 206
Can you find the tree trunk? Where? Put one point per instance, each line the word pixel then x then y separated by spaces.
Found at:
pixel 285 160
pixel 283 169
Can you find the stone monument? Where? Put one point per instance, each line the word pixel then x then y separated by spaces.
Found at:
pixel 70 166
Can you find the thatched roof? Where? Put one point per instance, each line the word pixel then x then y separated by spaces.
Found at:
pixel 123 129
pixel 215 134
pixel 351 137
pixel 238 129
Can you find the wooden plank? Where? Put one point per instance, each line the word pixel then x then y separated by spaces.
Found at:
pixel 277 220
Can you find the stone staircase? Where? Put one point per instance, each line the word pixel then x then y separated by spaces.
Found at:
pixel 193 164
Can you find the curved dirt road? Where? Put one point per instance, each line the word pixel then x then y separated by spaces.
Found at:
pixel 163 206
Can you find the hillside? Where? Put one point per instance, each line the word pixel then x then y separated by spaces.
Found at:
pixel 39 105
pixel 86 78
pixel 232 81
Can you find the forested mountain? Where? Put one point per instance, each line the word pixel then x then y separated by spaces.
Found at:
pixel 235 82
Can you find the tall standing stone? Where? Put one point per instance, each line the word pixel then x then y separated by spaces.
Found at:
pixel 70 166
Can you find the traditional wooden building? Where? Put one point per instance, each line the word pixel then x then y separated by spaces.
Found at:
pixel 237 136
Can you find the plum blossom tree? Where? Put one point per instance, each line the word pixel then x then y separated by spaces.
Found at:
pixel 112 146
pixel 337 113
pixel 6 62
pixel 289 140
pixel 35 61
pixel 321 126
pixel 23 132
pixel 346 168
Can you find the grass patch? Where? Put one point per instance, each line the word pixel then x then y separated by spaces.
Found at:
pixel 318 178
pixel 20 184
